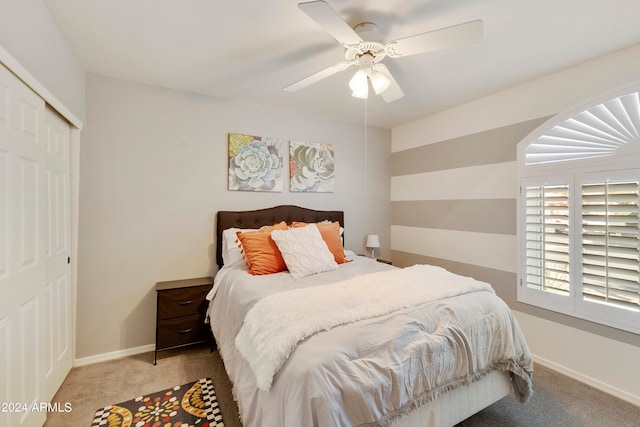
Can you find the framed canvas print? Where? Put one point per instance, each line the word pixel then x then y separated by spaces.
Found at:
pixel 311 167
pixel 255 163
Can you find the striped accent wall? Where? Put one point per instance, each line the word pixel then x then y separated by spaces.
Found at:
pixel 454 204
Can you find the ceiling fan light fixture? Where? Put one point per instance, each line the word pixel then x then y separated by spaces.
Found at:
pixel 359 85
pixel 364 47
pixel 379 81
pixel 358 81
pixel 362 93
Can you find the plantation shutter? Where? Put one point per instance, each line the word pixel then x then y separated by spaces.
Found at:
pixel 547 238
pixel 610 256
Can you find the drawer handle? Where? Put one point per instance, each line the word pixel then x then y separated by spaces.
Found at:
pixel 185 331
pixel 185 302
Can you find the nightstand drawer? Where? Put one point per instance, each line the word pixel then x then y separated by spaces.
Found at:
pixel 181 331
pixel 182 302
pixel 181 310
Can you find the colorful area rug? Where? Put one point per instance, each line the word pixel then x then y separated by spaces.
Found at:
pixel 188 405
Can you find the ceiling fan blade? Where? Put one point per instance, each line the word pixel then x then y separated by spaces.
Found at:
pixel 444 38
pixel 393 92
pixel 329 71
pixel 328 18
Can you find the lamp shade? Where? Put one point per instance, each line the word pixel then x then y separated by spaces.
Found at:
pixel 379 81
pixel 359 84
pixel 373 241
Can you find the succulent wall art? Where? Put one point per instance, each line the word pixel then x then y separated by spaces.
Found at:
pixel 255 163
pixel 311 167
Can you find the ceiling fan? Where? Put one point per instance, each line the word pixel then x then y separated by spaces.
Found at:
pixel 364 48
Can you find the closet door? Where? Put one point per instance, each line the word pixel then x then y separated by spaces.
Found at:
pixel 32 290
pixel 56 311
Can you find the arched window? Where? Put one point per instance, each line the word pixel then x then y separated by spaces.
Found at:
pixel 578 212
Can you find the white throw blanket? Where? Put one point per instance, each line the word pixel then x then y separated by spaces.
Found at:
pixel 273 327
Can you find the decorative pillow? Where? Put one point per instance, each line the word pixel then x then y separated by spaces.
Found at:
pixel 326 221
pixel 331 233
pixel 261 253
pixel 232 248
pixel 304 251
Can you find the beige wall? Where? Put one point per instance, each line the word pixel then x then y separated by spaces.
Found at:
pixel 453 200
pixel 154 173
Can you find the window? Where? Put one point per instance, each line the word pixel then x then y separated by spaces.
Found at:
pixel 547 238
pixel 610 243
pixel 579 227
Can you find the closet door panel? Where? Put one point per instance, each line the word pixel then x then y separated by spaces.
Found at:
pixel 22 280
pixel 4 179
pixel 56 239
pixel 7 347
pixel 4 213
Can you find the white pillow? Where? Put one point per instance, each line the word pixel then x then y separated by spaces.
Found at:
pixel 231 246
pixel 304 251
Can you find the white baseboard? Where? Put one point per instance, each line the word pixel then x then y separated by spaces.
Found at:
pixel 583 356
pixel 113 355
pixel 621 394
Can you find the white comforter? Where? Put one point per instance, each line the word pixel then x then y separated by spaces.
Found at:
pixel 368 371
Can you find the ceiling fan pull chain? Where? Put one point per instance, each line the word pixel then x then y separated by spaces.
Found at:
pixel 366 127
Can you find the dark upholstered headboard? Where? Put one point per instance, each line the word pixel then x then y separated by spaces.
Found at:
pixel 268 216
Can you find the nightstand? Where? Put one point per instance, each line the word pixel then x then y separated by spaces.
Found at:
pixel 181 310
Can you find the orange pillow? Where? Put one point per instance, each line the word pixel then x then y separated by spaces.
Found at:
pixel 261 252
pixel 330 233
pixel 279 226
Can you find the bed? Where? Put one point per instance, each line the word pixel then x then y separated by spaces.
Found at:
pixel 347 347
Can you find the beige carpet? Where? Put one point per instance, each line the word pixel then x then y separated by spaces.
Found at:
pixel 558 400
pixel 91 387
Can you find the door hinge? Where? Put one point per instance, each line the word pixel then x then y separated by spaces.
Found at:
pixel 68 260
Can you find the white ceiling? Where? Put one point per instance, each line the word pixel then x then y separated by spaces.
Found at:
pixel 249 50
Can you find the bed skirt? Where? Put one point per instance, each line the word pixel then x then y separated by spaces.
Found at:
pixel 459 404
